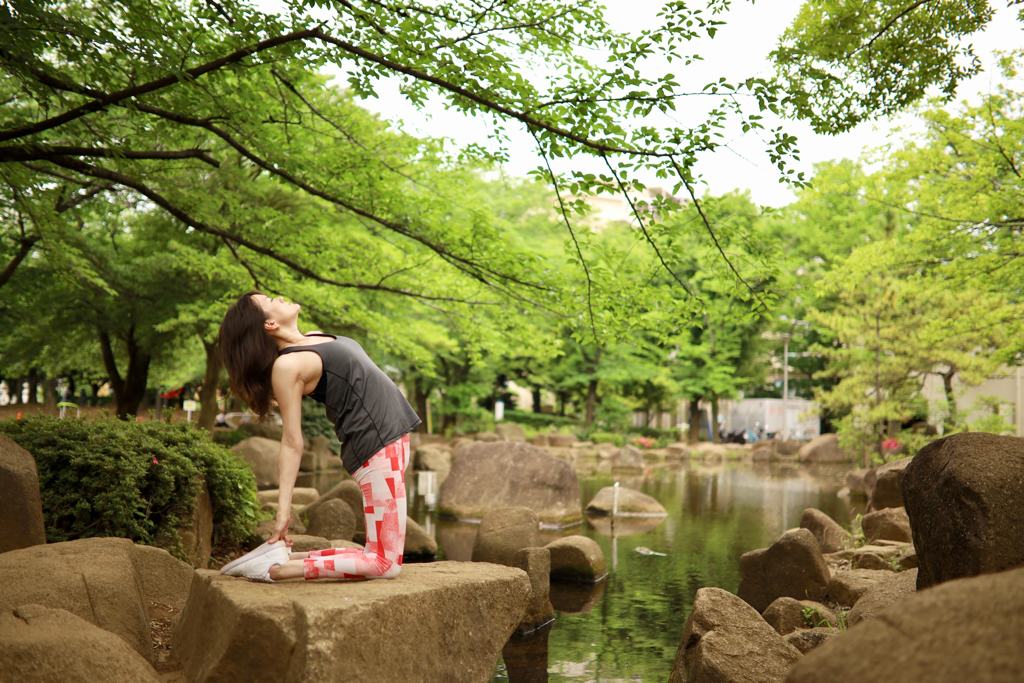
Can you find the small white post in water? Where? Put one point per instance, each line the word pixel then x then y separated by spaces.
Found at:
pixel 426 483
pixel 615 500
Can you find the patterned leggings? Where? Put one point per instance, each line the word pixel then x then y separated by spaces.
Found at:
pixel 382 480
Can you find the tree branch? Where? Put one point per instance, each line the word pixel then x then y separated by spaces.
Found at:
pixel 36 152
pixel 152 86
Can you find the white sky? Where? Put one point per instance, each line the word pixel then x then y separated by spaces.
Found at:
pixel 739 50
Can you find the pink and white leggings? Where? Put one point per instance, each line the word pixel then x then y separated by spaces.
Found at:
pixel 382 480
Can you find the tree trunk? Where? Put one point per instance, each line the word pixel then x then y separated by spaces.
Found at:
pixel 591 408
pixel 947 385
pixel 14 389
pixel 715 438
pixel 50 392
pixel 693 433
pixel 130 390
pixel 419 397
pixel 535 395
pixel 211 380
pixel 33 387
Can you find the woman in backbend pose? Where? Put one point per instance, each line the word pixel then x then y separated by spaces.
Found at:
pixel 267 357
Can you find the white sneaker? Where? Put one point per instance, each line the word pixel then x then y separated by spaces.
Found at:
pixel 258 568
pixel 233 568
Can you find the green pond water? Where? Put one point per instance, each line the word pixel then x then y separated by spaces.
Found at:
pixel 627 627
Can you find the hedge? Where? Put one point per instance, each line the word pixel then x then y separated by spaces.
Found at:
pixel 108 477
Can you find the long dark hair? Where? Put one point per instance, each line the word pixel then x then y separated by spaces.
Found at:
pixel 248 352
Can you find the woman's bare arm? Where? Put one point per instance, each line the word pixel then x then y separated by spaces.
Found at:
pixel 288 388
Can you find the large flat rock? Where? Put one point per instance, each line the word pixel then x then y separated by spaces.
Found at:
pixel 433 622
pixel 487 476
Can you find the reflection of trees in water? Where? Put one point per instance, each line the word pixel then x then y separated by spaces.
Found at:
pixel 715 515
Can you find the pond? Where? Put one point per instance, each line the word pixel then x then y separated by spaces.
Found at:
pixel 627 628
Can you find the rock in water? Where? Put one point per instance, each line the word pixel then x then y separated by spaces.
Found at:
pixel 444 618
pixel 630 503
pixel 21 509
pixel 963 630
pixel 503 533
pixel 726 640
pixel 576 558
pixel 487 476
pixel 831 536
pixel 42 644
pixel 965 498
pixel 792 567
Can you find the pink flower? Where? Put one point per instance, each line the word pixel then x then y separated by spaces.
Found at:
pixel 155 461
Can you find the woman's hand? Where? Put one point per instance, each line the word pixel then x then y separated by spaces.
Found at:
pixel 281 529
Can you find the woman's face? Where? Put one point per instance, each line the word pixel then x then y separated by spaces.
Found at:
pixel 278 310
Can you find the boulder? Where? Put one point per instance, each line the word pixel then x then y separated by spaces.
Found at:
pixel 196 533
pixel 775 450
pixel 302 543
pixel 435 458
pixel 319 456
pixel 261 455
pixel 883 594
pixel 725 639
pixel 536 562
pixel 576 558
pixel 503 533
pixel 807 639
pixel 265 529
pixel 557 440
pixel 885 562
pixel 109 582
pixel 889 524
pixel 300 495
pixel 855 482
pixel 21 509
pixel 486 437
pixel 418 543
pixel 822 449
pixel 965 501
pixel 539 440
pixel 510 431
pixel 487 476
pixel 629 456
pixel 266 430
pixel 347 490
pixel 846 588
pixel 789 614
pixel 447 617
pixel 883 485
pixel 831 536
pixel 791 567
pixel 40 644
pixel 962 630
pixel 333 519
pixel 631 503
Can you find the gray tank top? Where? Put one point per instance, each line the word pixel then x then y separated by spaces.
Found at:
pixel 364 405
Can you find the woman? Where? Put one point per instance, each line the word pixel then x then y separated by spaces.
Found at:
pixel 267 357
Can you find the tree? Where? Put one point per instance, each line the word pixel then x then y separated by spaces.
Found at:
pixel 844 63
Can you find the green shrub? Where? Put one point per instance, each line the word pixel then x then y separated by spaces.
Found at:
pixel 108 477
pixel 607 437
pixel 538 420
pixel 228 437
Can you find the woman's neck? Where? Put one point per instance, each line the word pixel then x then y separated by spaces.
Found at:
pixel 289 337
